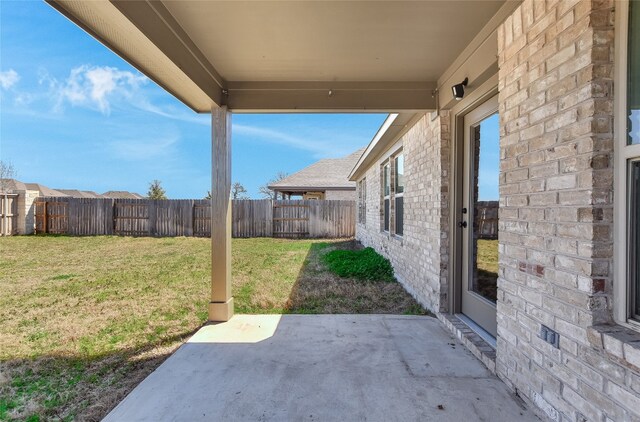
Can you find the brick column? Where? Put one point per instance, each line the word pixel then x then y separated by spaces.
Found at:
pixel 556 191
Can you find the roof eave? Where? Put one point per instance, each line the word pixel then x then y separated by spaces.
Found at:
pixel 392 129
pixel 308 188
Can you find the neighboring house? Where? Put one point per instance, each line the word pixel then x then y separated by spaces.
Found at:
pixel 74 193
pixel 325 179
pixel 548 126
pixel 27 193
pixel 44 190
pixel 22 204
pixel 122 194
pixel 11 185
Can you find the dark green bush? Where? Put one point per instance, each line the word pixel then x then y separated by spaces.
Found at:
pixel 364 264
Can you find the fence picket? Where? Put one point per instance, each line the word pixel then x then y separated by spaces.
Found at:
pixel 145 217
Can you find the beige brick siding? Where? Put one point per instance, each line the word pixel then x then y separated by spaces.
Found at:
pixel 556 192
pixel 26 211
pixel 343 195
pixel 420 257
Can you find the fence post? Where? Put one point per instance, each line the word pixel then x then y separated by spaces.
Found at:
pixel 46 217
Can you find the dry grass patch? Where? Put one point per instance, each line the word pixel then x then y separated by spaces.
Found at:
pixel 321 291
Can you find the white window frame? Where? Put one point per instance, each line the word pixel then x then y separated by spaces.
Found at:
pixel 394 157
pixel 362 198
pixel 386 196
pixel 623 153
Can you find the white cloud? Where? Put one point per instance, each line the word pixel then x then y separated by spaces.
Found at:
pixel 143 104
pixel 145 149
pixel 94 87
pixel 320 148
pixel 8 78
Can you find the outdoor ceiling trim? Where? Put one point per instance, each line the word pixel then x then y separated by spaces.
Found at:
pixel 478 61
pixel 106 23
pixel 320 96
pixel 392 129
pixel 155 21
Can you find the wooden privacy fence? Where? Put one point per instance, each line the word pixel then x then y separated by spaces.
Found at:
pixel 294 219
pixel 487 219
pixel 127 217
pixel 146 217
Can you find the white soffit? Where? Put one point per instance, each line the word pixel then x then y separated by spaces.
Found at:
pixel 400 41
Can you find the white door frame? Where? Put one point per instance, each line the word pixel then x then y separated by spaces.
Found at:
pixel 472 100
pixel 479 309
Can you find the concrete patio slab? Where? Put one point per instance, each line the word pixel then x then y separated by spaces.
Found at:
pixel 322 368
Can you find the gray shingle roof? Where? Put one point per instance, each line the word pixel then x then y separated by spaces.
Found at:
pixel 122 194
pixel 75 193
pixel 331 173
pixel 17 185
pixel 11 185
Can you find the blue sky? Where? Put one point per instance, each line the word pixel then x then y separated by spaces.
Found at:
pixel 489 170
pixel 73 115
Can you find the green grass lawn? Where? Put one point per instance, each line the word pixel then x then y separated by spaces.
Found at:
pixel 85 319
pixel 487 263
pixel 488 255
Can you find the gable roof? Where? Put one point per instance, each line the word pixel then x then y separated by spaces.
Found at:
pixel 44 190
pixel 75 193
pixel 17 185
pixel 122 194
pixel 330 173
pixel 11 185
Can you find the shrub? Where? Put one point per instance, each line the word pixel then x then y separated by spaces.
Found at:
pixel 364 264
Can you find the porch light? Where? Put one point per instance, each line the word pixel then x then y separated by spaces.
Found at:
pixel 458 89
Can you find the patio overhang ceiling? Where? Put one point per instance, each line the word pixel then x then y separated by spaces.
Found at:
pixel 305 56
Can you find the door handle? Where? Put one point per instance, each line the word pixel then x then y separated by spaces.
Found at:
pixel 462 224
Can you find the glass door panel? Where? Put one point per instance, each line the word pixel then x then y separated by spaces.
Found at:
pixel 479 224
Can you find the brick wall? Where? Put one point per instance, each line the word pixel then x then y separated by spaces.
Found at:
pixel 26 211
pixel 556 191
pixel 343 195
pixel 420 257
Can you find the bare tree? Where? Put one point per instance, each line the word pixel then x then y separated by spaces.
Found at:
pixel 264 189
pixel 7 172
pixel 238 191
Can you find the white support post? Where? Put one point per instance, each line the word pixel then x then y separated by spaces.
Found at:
pixel 221 305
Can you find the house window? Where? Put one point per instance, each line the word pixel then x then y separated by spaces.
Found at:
pixel 392 194
pixel 399 193
pixel 634 241
pixel 386 194
pixel 633 73
pixel 627 164
pixel 362 201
